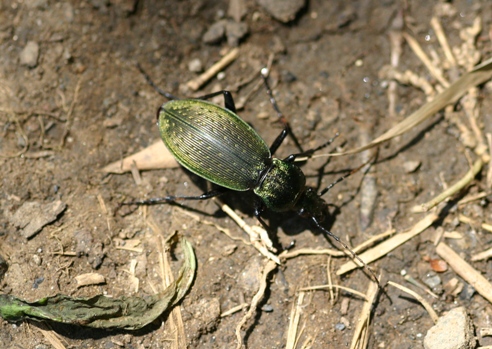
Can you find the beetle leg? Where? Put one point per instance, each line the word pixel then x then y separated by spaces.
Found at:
pixel 276 143
pixel 280 117
pixel 228 100
pixel 172 198
pixel 259 207
pixel 154 86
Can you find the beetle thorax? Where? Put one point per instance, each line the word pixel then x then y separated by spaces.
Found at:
pixel 281 186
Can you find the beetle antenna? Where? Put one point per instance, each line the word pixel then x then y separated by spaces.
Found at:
pixel 355 170
pixel 345 246
pixel 154 86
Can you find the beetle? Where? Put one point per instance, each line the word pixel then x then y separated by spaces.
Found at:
pixel 216 144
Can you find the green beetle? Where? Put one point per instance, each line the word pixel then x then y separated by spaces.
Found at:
pixel 217 145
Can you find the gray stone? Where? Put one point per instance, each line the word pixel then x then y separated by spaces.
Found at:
pixel 453 330
pixel 282 10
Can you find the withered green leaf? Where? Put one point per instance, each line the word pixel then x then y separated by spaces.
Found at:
pixel 129 313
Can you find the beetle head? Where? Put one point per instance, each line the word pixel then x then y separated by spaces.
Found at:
pixel 310 204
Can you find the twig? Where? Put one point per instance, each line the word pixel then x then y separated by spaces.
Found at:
pixel 361 332
pixel 198 82
pixel 417 49
pixel 465 270
pixel 389 245
pixel 269 267
pixel 462 183
pixel 421 299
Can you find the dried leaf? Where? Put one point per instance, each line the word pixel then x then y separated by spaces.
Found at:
pixel 129 313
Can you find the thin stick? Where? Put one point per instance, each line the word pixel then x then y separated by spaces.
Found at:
pixel 389 245
pixel 421 299
pixel 441 37
pixel 417 49
pixel 198 82
pixel 462 183
pixel 361 332
pixel 465 270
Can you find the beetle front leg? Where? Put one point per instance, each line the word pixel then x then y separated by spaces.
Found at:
pixel 280 117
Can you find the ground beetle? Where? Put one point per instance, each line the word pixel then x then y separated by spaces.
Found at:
pixel 217 145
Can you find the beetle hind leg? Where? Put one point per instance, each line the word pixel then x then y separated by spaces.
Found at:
pixel 177 198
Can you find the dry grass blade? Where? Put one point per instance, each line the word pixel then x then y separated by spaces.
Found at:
pixel 465 270
pixel 155 156
pixel 462 183
pixel 421 299
pixel 50 335
pixel 389 245
pixel 176 320
pixel 477 76
pixel 295 317
pixel 361 332
pixel 258 236
pixel 346 289
pixel 464 219
pixel 335 253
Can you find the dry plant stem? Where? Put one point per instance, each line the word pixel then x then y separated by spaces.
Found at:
pixel 482 255
pixel 396 41
pixel 462 183
pixel 269 267
pixel 489 172
pixel 50 335
pixel 330 282
pixel 361 332
pixel 421 299
pixel 198 82
pixel 443 41
pixel 176 324
pixel 335 253
pixel 259 238
pixel 346 289
pixel 389 245
pixel 295 316
pixel 478 75
pixel 467 220
pixel 466 271
pixel 234 310
pixel 417 49
pixel 471 198
pixel 68 125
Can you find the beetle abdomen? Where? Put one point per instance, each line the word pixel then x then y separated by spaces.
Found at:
pixel 213 143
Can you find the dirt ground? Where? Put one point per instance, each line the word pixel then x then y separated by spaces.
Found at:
pixel 73 101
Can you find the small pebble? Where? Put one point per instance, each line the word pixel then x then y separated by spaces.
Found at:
pixel 30 54
pixel 267 308
pixel 235 32
pixel 36 259
pixel 221 75
pixel 340 326
pixel 215 33
pixel 411 166
pixel 195 66
pixel 282 10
